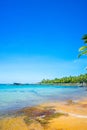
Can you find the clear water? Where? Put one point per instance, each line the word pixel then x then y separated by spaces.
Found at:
pixel 15 97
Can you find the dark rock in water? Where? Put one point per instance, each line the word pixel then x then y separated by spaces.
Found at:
pixel 17 84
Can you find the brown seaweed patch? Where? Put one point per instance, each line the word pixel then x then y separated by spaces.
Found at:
pixel 55 115
pixel 34 112
pixel 39 115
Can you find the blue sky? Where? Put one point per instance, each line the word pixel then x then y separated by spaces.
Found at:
pixel 40 39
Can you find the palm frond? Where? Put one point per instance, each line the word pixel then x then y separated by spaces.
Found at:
pixel 85 38
pixel 82 53
pixel 85 41
pixel 82 48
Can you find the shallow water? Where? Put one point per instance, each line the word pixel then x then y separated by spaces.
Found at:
pixel 14 97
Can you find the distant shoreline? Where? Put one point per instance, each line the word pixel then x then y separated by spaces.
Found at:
pixel 58 84
pixel 66 84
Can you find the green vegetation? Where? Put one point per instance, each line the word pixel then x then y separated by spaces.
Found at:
pixel 70 79
pixel 83 49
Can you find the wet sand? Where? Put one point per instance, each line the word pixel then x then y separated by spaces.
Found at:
pixel 70 115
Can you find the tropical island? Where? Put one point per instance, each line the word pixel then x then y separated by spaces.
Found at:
pixel 80 80
pixel 43 65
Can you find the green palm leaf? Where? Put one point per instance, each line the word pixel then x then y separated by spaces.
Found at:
pixel 85 38
pixel 82 53
pixel 85 41
pixel 82 48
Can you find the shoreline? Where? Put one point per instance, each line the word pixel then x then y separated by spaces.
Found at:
pixel 64 115
pixel 54 84
pixel 11 111
pixel 67 84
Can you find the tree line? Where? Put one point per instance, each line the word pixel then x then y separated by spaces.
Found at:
pixel 71 79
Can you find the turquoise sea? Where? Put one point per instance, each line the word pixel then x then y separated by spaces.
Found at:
pixel 13 97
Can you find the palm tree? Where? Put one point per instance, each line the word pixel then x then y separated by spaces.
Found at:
pixel 83 49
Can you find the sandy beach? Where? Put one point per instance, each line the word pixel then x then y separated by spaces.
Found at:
pixel 70 115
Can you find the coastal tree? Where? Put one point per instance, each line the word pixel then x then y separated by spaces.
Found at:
pixel 70 79
pixel 83 49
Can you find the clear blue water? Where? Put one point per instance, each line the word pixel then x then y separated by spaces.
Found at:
pixel 16 97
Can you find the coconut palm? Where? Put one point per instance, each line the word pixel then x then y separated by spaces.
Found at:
pixel 83 49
